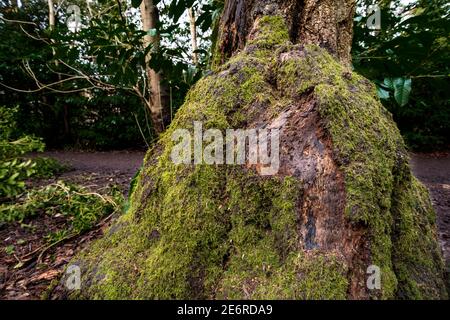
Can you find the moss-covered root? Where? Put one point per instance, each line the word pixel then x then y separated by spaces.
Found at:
pixel 226 232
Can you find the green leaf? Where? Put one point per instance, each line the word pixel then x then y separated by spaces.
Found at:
pixel 13 177
pixel 389 83
pixel 153 32
pixel 402 90
pixel 382 94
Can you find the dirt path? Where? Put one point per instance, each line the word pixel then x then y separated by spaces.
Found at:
pixel 98 170
pixel 102 170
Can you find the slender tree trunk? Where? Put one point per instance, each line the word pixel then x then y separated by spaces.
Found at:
pixel 51 15
pixel 88 4
pixel 193 35
pixel 52 25
pixel 159 96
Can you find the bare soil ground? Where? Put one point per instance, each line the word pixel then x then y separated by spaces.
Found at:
pixel 28 272
pixel 97 170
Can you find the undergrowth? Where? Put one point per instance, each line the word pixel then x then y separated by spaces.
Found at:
pixel 15 167
pixel 82 208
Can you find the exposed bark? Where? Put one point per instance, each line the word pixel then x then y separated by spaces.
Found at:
pixel 159 96
pixel 193 29
pixel 327 23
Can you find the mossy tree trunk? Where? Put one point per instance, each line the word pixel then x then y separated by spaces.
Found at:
pixel 326 23
pixel 343 201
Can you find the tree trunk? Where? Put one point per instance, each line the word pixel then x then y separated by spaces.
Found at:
pixel 342 217
pixel 51 15
pixel 159 97
pixel 326 23
pixel 52 25
pixel 193 29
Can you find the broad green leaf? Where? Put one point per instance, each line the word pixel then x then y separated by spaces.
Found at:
pixel 402 90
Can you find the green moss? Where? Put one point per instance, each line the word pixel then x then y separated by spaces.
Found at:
pixel 379 184
pixel 307 70
pixel 271 32
pixel 226 232
pixel 416 256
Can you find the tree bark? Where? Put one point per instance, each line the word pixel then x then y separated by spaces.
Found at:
pixel 52 25
pixel 159 97
pixel 327 23
pixel 51 15
pixel 193 29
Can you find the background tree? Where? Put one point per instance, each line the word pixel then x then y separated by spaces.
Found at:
pixel 159 101
pixel 104 61
pixel 193 28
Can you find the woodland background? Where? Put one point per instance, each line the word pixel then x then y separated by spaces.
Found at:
pixel 75 89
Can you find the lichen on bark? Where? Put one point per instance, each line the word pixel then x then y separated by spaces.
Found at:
pixel 344 197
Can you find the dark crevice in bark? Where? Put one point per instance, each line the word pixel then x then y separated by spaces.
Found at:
pixel 295 22
pixel 234 28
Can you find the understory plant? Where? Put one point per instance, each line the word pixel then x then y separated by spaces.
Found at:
pixel 82 208
pixel 15 167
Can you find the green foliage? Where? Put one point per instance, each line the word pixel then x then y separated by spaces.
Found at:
pixel 82 208
pixel 47 167
pixel 401 88
pixel 409 59
pixel 14 167
pixel 10 250
pixel 210 15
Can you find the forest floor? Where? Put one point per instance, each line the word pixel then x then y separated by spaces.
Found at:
pixel 22 274
pixel 22 277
